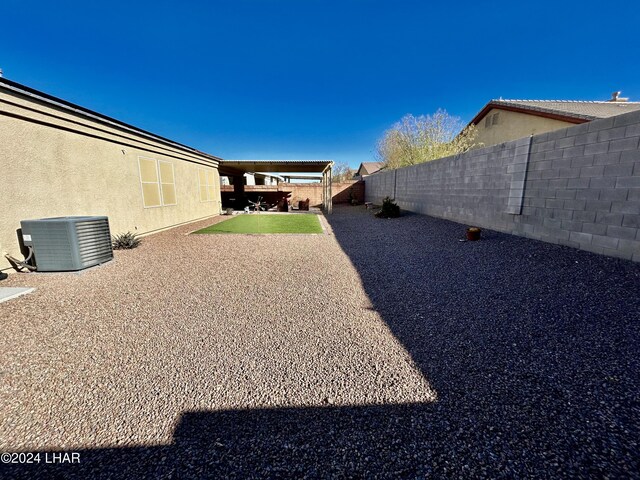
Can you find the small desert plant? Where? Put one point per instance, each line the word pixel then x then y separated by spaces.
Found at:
pixel 389 209
pixel 125 241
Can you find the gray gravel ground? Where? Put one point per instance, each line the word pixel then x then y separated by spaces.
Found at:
pixel 387 349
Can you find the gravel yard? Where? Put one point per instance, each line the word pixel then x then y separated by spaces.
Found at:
pixel 384 349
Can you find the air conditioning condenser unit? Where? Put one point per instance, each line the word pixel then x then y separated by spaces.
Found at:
pixel 65 244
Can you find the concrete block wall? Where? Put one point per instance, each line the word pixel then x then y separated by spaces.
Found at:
pixel 577 186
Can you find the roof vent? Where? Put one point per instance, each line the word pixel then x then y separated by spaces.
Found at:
pixel 615 97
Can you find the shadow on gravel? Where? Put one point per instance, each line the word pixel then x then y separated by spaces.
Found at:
pixel 290 443
pixel 532 348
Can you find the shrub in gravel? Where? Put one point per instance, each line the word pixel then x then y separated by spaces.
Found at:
pixel 389 209
pixel 125 241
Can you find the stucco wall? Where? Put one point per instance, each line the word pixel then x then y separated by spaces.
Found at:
pixel 513 125
pixel 577 186
pixel 55 163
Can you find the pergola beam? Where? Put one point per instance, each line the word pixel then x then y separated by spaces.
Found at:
pixel 274 166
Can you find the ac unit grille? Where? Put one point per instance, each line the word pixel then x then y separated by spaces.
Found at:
pixel 94 241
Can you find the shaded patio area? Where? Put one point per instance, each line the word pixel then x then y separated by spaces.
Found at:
pixel 235 169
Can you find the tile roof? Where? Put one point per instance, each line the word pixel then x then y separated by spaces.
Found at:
pixel 586 110
pixel 371 167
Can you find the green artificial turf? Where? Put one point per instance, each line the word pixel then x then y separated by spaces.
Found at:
pixel 265 223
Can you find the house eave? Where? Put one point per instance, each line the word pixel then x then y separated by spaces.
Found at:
pixel 538 113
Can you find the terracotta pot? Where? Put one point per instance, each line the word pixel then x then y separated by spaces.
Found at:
pixel 473 235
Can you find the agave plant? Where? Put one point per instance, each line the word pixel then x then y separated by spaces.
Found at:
pixel 125 241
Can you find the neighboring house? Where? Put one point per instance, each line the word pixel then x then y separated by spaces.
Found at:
pixel 504 120
pixel 367 168
pixel 60 159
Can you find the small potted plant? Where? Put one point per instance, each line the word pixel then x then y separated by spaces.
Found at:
pixel 473 234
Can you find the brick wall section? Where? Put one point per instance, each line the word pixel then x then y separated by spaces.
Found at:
pixel 578 186
pixel 312 191
pixel 302 191
pixel 340 191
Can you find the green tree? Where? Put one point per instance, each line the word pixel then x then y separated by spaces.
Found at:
pixel 415 140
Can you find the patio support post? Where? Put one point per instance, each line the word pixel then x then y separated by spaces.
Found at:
pixel 238 185
pixel 238 192
pixel 330 199
pixel 327 200
pixel 324 191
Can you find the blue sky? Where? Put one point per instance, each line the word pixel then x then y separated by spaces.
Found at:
pixel 313 79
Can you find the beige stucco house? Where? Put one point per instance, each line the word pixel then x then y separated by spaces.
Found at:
pixel 504 120
pixel 60 159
